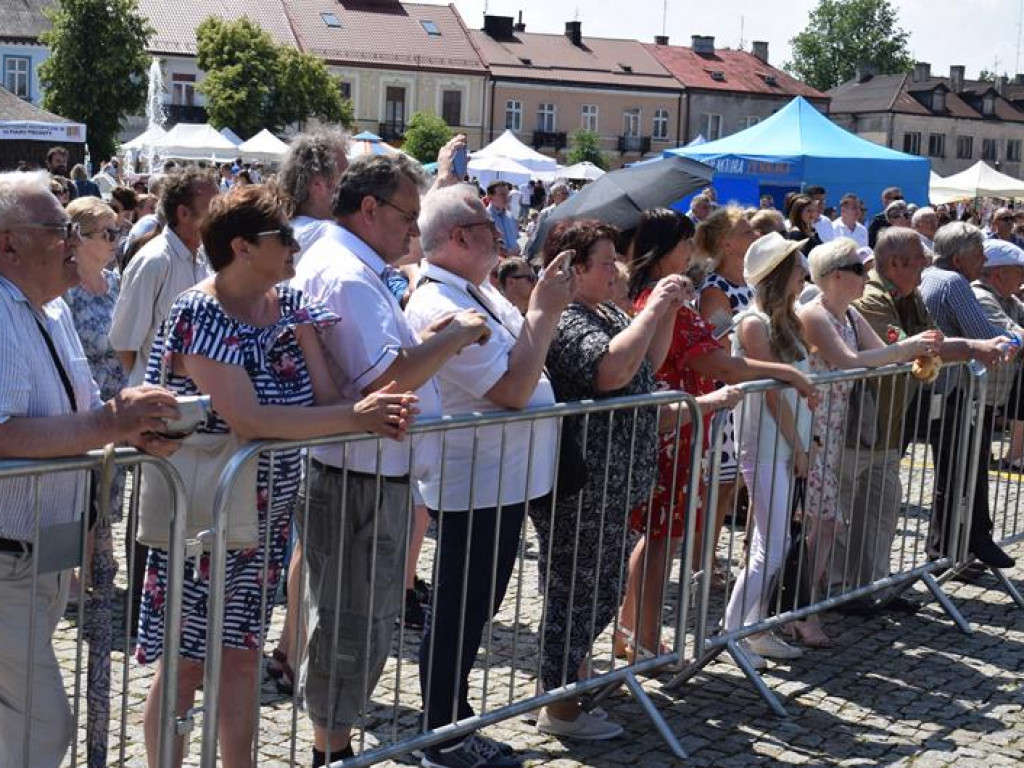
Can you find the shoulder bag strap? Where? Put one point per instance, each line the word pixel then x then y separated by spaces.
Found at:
pixel 65 380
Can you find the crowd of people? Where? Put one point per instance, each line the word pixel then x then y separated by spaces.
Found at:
pixel 340 297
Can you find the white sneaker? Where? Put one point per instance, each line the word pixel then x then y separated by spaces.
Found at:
pixel 768 645
pixel 757 661
pixel 585 727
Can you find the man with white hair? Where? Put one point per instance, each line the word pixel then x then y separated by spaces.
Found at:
pixel 480 531
pixel 1002 224
pixel 925 222
pixel 49 407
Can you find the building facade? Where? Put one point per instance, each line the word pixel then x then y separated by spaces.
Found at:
pixel 21 24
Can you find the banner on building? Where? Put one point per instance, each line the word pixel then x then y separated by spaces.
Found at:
pixel 30 130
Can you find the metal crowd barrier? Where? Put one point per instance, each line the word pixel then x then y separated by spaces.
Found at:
pixel 872 539
pixel 101 675
pixel 505 679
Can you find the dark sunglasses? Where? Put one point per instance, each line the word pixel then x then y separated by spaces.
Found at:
pixel 108 234
pixel 529 277
pixel 856 268
pixel 285 233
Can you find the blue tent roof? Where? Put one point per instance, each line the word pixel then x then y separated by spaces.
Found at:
pixel 798 146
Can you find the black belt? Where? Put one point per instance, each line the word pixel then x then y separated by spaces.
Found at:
pixel 361 475
pixel 14 545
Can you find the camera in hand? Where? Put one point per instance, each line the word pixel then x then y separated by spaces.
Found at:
pixel 193 411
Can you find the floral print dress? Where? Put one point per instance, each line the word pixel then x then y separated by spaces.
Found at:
pixel 272 357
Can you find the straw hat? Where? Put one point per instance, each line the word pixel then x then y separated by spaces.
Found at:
pixel 765 254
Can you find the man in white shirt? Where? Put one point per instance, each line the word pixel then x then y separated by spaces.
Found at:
pixel 822 225
pixel 359 491
pixel 167 265
pixel 848 224
pixel 460 245
pixel 308 177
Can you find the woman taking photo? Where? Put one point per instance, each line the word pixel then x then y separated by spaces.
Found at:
pixel 597 352
pixel 250 343
pixel 839 338
pixel 663 246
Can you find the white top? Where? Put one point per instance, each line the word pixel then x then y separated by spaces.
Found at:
pixel 824 229
pixel 344 273
pixel 162 270
pixel 859 233
pixel 30 386
pixel 465 380
pixel 307 231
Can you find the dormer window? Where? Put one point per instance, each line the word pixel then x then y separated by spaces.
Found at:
pixel 938 100
pixel 988 105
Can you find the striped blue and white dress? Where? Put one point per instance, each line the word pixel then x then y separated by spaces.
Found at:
pixel 198 325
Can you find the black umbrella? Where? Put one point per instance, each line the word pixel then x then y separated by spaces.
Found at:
pixel 618 198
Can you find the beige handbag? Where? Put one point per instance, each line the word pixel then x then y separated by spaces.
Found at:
pixel 200 461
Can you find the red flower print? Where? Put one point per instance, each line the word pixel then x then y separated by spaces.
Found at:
pixel 250 640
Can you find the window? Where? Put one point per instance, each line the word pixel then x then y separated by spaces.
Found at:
pixel 912 143
pixel 16 77
pixel 631 122
pixel 988 105
pixel 331 20
pixel 988 149
pixel 749 120
pixel 711 127
pixel 964 147
pixel 589 117
pixel 938 100
pixel 183 89
pixel 346 89
pixel 546 115
pixel 936 145
pixel 394 108
pixel 451 107
pixel 1013 151
pixel 659 125
pixel 514 115
pixel 431 28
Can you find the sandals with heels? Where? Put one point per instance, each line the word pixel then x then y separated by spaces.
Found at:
pixel 626 647
pixel 810 635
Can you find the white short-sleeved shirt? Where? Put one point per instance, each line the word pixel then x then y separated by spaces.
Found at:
pixel 162 270
pixel 307 231
pixel 465 380
pixel 859 233
pixel 30 386
pixel 344 273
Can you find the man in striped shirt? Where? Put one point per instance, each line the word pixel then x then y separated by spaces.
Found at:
pixel 49 407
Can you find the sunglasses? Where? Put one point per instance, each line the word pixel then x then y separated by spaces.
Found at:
pixel 285 233
pixel 1005 218
pixel 67 229
pixel 108 234
pixel 856 268
pixel 529 277
pixel 900 216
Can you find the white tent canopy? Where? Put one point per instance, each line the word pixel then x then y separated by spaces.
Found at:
pixel 507 145
pixel 585 171
pixel 980 180
pixel 195 141
pixel 263 146
pixel 230 135
pixel 146 138
pixel 496 168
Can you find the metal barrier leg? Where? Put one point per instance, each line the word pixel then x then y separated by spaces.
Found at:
pixel 654 715
pixel 947 605
pixel 692 669
pixel 755 679
pixel 1009 586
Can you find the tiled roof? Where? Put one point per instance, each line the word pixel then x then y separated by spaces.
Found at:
pixel 390 34
pixel 740 72
pixel 14 108
pixel 176 23
pixel 23 19
pixel 548 57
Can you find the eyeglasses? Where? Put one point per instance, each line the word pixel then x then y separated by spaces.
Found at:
pixel 528 276
pixel 482 223
pixel 901 215
pixel 409 216
pixel 285 233
pixel 856 268
pixel 66 229
pixel 107 233
pixel 1005 218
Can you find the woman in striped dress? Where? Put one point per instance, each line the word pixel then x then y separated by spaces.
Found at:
pixel 250 343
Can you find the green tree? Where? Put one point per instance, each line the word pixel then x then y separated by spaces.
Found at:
pixel 843 34
pixel 96 72
pixel 253 83
pixel 586 146
pixel 425 134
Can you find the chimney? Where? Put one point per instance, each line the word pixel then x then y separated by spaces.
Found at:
pixel 661 39
pixel 519 25
pixel 1001 83
pixel 498 27
pixel 1018 79
pixel 922 71
pixel 956 78
pixel 864 72
pixel 703 45
pixel 760 49
pixel 574 31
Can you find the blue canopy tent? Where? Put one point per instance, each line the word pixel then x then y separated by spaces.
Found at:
pixel 799 146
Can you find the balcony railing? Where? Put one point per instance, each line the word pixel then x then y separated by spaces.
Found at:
pixel 185 113
pixel 554 139
pixel 641 144
pixel 392 131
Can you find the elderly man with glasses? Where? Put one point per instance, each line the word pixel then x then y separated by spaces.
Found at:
pixel 1001 227
pixel 49 407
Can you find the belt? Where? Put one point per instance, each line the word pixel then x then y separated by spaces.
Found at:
pixel 361 475
pixel 14 545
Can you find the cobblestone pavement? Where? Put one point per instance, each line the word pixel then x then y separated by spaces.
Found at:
pixel 893 690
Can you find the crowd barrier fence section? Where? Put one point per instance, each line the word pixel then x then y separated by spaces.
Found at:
pixel 93 679
pixel 883 504
pixel 506 675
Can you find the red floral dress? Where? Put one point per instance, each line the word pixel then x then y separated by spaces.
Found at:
pixel 691 338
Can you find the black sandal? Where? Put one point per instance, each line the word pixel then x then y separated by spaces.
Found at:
pixel 280 672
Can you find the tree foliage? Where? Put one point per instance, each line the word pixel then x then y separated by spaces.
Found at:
pixel 425 134
pixel 843 34
pixel 96 72
pixel 586 146
pixel 253 83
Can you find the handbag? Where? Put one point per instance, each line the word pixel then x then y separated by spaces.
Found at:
pixel 790 586
pixel 862 409
pixel 200 461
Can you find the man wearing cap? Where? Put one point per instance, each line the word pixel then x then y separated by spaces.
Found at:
pixel 880 222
